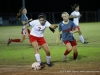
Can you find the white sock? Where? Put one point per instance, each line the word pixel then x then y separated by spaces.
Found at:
pixel 37 56
pixel 48 59
pixel 81 38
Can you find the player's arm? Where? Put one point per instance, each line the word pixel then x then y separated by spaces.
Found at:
pixel 75 28
pixel 24 22
pixel 79 16
pixel 53 27
pixel 71 16
pixel 74 31
pixel 58 36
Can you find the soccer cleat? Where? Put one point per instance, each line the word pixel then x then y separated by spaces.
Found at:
pixel 50 65
pixel 42 65
pixel 85 42
pixel 64 58
pixel 9 41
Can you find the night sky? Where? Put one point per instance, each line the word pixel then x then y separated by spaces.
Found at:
pixel 12 6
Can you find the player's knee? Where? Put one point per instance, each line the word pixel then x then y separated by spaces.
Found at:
pixel 70 48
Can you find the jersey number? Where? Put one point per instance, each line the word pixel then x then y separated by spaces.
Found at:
pixel 39 28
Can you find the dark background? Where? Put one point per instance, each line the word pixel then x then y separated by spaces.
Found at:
pixel 52 9
pixel 13 6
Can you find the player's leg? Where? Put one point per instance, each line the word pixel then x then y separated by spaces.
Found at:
pixel 37 55
pixel 74 45
pixel 81 37
pixel 33 41
pixel 75 54
pixel 13 40
pixel 23 38
pixel 48 57
pixel 44 45
pixel 68 50
pixel 17 40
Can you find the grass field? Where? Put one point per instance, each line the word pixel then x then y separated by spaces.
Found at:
pixel 17 58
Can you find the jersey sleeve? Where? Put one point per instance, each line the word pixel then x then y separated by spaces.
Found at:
pixel 32 23
pixel 59 27
pixel 48 24
pixel 72 14
pixel 23 17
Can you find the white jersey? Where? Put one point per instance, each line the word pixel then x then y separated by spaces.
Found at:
pixel 76 20
pixel 37 28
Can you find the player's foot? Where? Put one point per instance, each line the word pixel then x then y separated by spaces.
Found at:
pixel 9 41
pixel 60 36
pixel 85 42
pixel 50 65
pixel 64 58
pixel 42 65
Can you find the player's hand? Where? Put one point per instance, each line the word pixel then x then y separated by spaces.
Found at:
pixel 55 26
pixel 71 32
pixel 30 19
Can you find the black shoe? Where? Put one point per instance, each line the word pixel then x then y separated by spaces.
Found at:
pixel 85 42
pixel 60 36
pixel 42 65
pixel 9 41
pixel 50 65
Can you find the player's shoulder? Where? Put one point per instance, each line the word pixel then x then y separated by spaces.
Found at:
pixel 61 23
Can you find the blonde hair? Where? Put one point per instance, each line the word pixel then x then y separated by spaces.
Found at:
pixel 65 13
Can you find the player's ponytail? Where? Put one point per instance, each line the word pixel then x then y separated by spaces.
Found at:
pixel 20 13
pixel 75 6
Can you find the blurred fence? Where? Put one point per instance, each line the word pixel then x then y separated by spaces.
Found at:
pixel 52 17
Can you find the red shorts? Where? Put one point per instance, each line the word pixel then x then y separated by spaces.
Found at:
pixel 40 40
pixel 78 27
pixel 73 43
pixel 24 32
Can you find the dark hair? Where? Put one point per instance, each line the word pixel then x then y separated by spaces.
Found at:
pixel 20 13
pixel 42 15
pixel 75 6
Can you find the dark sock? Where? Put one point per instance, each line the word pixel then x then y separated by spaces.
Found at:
pixel 15 40
pixel 75 55
pixel 66 52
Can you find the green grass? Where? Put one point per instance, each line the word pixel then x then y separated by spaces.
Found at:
pixel 23 54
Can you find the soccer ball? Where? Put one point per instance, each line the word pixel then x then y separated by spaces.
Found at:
pixel 36 66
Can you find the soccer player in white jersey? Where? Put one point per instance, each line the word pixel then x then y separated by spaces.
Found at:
pixel 37 36
pixel 76 16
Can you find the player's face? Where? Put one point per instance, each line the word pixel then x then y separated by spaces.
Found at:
pixel 65 17
pixel 42 21
pixel 77 8
pixel 24 11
